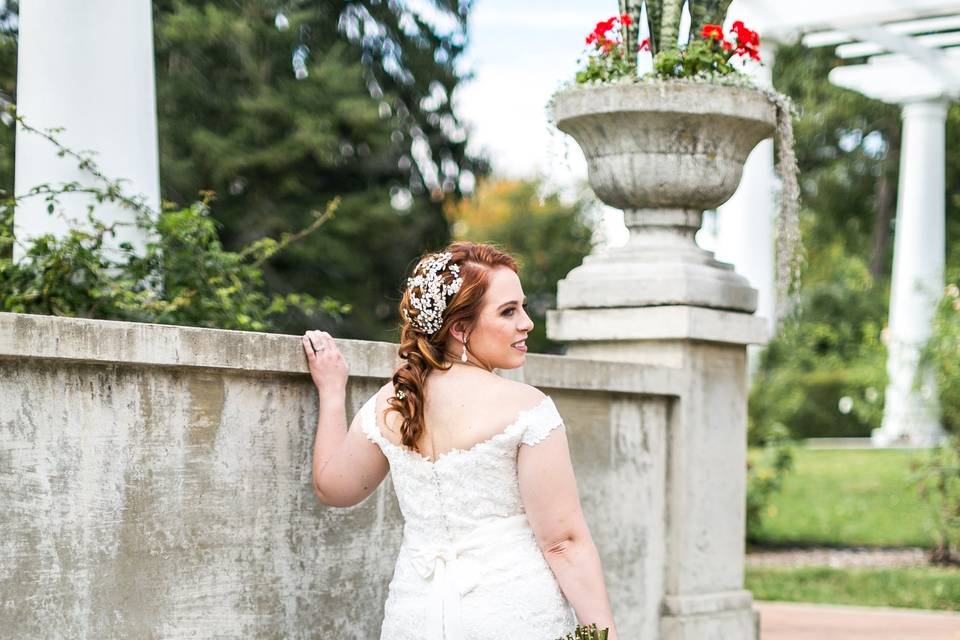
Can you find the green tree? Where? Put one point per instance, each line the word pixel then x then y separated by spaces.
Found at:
pixel 279 106
pixel 8 95
pixel 182 276
pixel 548 236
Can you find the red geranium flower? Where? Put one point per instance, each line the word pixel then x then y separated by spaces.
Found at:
pixel 745 36
pixel 598 37
pixel 604 26
pixel 625 20
pixel 713 31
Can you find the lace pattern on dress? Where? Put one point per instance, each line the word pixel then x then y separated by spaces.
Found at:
pixel 544 419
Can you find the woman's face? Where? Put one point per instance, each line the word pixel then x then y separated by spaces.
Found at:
pixel 498 335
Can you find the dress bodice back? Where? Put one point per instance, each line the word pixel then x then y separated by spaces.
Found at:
pixel 462 488
pixel 469 566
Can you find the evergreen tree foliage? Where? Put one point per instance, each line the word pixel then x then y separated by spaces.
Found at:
pixel 8 94
pixel 280 106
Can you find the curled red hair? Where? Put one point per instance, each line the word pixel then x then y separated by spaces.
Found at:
pixel 423 353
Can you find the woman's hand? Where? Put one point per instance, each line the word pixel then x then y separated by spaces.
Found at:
pixel 328 368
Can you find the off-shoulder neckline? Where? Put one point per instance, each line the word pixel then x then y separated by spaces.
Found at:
pixel 455 451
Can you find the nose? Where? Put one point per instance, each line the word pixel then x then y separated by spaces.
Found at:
pixel 528 325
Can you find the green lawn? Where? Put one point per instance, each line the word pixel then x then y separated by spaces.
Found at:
pixel 848 497
pixel 920 588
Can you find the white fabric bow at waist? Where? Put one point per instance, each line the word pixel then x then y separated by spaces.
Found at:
pixel 455 569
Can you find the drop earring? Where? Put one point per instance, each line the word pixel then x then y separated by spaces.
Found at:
pixel 463 356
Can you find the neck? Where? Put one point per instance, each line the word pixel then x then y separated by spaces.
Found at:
pixel 468 362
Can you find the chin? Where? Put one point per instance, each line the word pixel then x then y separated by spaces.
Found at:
pixel 514 363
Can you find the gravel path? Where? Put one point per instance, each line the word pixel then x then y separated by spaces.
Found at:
pixel 838 558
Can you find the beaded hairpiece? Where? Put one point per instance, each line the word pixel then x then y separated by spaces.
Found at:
pixel 432 298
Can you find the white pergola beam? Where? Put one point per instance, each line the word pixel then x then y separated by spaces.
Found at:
pixel 832 37
pixel 896 82
pixel 925 25
pixel 932 59
pixel 825 39
pixel 863 49
pixel 787 21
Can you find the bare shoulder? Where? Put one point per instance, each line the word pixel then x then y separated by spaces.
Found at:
pixel 519 395
pixel 385 392
pixel 381 406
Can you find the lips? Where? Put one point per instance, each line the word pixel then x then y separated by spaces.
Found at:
pixel 520 346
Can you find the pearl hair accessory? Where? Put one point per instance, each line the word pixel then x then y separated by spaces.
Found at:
pixel 432 298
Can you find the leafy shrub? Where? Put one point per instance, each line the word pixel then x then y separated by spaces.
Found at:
pixel 938 477
pixel 767 468
pixel 943 354
pixel 824 373
pixel 938 481
pixel 183 276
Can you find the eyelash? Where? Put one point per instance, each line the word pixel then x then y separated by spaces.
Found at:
pixel 525 305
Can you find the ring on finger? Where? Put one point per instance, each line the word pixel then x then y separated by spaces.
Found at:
pixel 313 346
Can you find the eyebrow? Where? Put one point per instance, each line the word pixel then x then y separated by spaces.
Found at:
pixel 511 302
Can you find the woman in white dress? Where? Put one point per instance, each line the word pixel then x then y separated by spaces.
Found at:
pixel 495 544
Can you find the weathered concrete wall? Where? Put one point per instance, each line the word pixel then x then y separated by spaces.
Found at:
pixel 155 482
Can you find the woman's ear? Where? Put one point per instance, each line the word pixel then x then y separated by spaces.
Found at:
pixel 457 331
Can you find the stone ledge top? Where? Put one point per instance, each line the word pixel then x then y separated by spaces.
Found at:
pixel 53 338
pixel 668 322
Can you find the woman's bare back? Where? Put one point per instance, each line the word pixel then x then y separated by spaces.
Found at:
pixel 464 407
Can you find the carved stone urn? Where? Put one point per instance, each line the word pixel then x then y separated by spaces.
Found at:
pixel 663 152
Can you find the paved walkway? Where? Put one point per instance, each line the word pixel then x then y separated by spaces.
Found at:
pixel 788 621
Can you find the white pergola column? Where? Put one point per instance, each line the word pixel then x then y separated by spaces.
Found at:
pixel 745 221
pixel 912 415
pixel 86 67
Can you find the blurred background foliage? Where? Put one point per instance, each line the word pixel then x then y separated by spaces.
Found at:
pixel 823 374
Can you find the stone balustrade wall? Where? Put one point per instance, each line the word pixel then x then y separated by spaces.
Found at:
pixel 155 483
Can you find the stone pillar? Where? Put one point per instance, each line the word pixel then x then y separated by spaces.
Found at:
pixel 706 443
pixel 664 154
pixel 706 450
pixel 86 67
pixel 912 415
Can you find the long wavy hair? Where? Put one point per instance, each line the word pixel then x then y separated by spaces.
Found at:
pixel 422 353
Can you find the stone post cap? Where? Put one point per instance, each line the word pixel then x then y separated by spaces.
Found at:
pixel 673 322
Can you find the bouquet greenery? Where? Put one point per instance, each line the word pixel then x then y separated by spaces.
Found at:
pixel 586 632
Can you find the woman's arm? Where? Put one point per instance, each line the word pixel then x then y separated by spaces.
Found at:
pixel 549 492
pixel 346 467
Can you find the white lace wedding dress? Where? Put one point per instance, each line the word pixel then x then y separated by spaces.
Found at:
pixel 469 567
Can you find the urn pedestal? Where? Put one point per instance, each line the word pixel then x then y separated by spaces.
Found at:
pixel 664 153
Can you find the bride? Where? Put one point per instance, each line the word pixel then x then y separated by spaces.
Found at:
pixel 495 544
